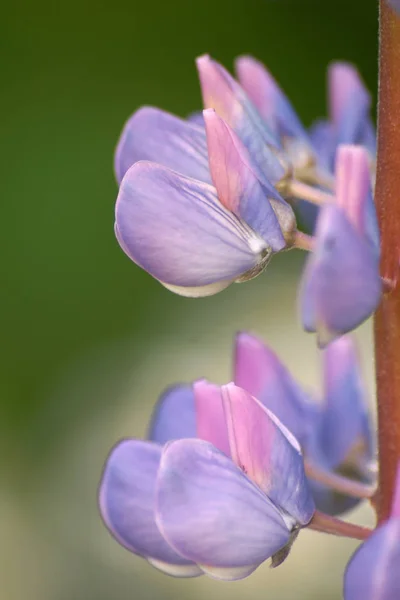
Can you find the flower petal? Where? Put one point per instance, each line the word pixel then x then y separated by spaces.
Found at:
pixel 349 103
pixel 260 372
pixel 271 102
pixel 240 188
pixel 221 92
pixel 268 453
pixel 341 286
pixel 373 572
pixel 127 503
pixel 211 513
pixel 196 117
pixel 210 416
pixel 174 416
pixel 322 138
pixel 155 135
pixel 344 427
pixel 354 193
pixel 177 230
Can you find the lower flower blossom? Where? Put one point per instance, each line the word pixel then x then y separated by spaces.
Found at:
pixel 217 504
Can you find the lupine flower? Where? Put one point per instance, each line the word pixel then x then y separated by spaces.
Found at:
pixel 217 504
pixel 258 370
pixel 342 438
pixel 195 238
pixel 341 285
pixel 221 92
pixel 349 105
pixel 335 435
pixel 278 113
pixel 373 572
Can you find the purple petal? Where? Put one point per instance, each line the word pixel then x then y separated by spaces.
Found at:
pixel 177 230
pixel 127 504
pixel 373 572
pixel 341 286
pixel 368 139
pixel 271 102
pixel 197 118
pixel 268 453
pixel 354 193
pixel 344 427
pixel 221 92
pixel 155 135
pixel 174 416
pixel 210 416
pixel 322 138
pixel 211 513
pixel 260 372
pixel 349 102
pixel 238 187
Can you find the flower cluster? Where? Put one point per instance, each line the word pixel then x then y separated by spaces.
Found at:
pixel 207 201
pixel 206 492
pixel 229 475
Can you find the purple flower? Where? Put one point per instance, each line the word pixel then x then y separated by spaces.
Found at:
pixel 196 238
pixel 258 370
pixel 341 285
pixel 335 435
pixel 349 115
pixel 221 92
pixel 341 440
pixel 278 113
pixel 218 504
pixel 373 571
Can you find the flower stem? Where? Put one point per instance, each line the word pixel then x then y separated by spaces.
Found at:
pixel 387 319
pixel 327 524
pixel 317 176
pixel 336 482
pixel 307 192
pixel 302 241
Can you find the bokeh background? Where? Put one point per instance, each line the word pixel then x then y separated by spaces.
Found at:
pixel 88 341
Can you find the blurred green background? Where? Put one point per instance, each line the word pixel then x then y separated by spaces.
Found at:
pixel 87 339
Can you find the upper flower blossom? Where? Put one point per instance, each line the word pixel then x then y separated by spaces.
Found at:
pixel 194 237
pixel 373 571
pixel 217 504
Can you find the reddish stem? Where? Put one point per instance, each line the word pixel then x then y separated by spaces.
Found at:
pixel 387 196
pixel 336 482
pixel 327 524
